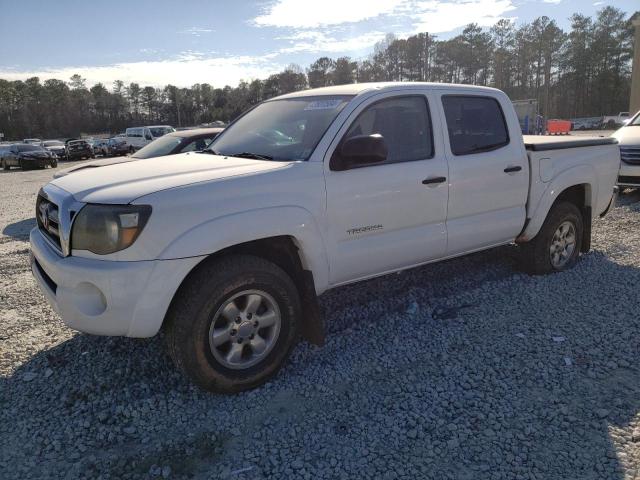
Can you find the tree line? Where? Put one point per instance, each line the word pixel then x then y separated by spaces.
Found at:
pixel 583 72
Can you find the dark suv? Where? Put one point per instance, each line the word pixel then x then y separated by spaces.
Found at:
pixel 79 149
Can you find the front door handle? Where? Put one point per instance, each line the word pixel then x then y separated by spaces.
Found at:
pixel 512 169
pixel 432 180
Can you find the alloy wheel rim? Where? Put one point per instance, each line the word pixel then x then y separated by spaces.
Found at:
pixel 563 244
pixel 245 329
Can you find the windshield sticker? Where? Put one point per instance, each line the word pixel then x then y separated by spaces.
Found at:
pixel 329 104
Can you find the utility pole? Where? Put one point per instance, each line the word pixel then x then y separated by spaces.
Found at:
pixel 634 105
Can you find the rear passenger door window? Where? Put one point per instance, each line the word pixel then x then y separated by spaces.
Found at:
pixel 403 122
pixel 475 124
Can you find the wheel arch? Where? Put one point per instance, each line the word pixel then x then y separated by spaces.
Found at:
pixel 285 252
pixel 576 185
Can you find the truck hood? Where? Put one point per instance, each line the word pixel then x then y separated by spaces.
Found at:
pixel 124 182
pixel 93 164
pixel 629 135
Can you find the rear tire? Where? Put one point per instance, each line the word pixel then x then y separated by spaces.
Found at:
pixel 5 166
pixel 557 245
pixel 211 318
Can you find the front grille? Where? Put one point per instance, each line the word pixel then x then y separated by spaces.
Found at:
pixel 48 220
pixel 630 155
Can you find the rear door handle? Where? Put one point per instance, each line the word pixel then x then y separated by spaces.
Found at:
pixel 433 180
pixel 512 169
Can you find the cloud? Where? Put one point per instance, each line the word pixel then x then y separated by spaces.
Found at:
pixel 196 31
pixel 182 71
pixel 313 14
pixel 437 16
pixel 318 26
pixel 315 41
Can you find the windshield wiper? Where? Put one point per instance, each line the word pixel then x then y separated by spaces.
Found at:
pixel 255 156
pixel 210 152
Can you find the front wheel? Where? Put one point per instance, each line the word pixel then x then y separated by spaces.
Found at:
pixel 233 323
pixel 54 163
pixel 557 245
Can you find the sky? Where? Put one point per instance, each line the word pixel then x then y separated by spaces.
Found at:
pixel 221 42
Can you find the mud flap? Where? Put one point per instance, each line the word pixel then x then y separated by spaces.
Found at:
pixel 586 234
pixel 312 324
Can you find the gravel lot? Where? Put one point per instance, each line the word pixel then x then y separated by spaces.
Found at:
pixel 461 370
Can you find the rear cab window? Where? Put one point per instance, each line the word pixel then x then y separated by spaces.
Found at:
pixel 475 124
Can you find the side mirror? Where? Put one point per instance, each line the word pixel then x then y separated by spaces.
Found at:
pixel 359 151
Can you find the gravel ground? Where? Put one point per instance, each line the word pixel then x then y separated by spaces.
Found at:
pixel 461 370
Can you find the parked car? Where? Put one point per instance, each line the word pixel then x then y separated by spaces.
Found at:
pixel 629 140
pixel 587 123
pixel 34 141
pixel 170 144
pixel 138 137
pixel 117 146
pixel 194 140
pixel 56 147
pixel 228 248
pixel 100 146
pixel 26 156
pixel 79 149
pixel 614 121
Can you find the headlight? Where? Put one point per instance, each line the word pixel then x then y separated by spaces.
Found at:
pixel 104 229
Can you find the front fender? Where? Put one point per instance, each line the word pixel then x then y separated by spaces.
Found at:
pixel 578 175
pixel 229 230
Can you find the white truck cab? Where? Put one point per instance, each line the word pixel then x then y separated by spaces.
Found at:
pixel 227 249
pixel 138 137
pixel 629 140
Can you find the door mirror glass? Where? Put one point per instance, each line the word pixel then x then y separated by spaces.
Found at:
pixel 360 151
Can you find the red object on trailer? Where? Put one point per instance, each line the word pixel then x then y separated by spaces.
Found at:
pixel 558 127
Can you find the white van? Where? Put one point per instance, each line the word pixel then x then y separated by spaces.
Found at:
pixel 138 137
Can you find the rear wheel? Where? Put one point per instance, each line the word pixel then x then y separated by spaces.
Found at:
pixel 233 323
pixel 54 163
pixel 5 165
pixel 557 245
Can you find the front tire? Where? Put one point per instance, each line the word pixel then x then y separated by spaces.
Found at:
pixel 557 245
pixel 233 323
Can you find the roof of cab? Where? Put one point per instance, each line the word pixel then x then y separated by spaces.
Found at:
pixel 359 88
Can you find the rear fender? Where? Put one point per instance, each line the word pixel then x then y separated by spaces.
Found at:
pixel 578 175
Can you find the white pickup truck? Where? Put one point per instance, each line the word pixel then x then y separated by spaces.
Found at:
pixel 227 249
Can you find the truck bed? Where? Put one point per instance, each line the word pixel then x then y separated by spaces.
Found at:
pixel 539 143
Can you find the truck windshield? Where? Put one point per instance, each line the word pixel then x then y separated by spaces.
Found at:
pixel 286 130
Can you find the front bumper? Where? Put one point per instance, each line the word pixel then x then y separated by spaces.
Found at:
pixel 107 297
pixel 629 175
pixel 35 162
pixel 79 153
